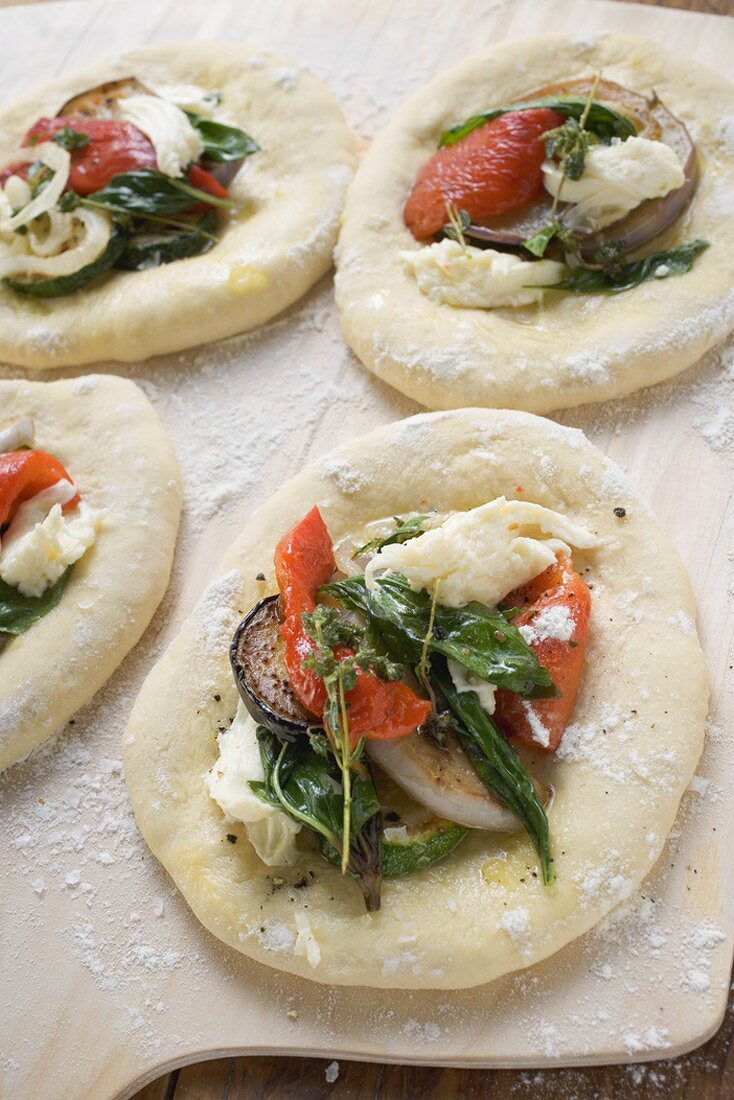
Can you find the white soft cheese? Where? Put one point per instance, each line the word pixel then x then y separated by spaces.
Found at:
pixel 479 278
pixel 616 179
pixel 176 142
pixel 271 833
pixel 189 97
pixel 42 542
pixel 467 681
pixel 482 554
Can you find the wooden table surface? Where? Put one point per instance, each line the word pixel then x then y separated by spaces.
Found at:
pixel 705 1074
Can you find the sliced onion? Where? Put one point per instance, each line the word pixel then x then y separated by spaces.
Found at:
pixel 60 230
pixel 59 161
pixel 97 232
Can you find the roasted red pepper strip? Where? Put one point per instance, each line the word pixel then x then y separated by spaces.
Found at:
pixel 113 147
pixel 304 560
pixel 25 473
pixel 493 170
pixel 535 720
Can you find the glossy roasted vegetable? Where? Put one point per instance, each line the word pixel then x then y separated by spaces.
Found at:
pixel 101 100
pixel 409 847
pixel 257 658
pixel 145 250
pixel 67 284
pixel 651 120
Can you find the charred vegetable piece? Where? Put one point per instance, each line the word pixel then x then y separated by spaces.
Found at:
pixel 113 148
pixel 493 170
pixel 558 595
pixel 23 474
pixel 67 284
pixel 651 119
pixel 146 250
pixel 225 147
pixel 101 101
pixel 258 664
pixel 407 848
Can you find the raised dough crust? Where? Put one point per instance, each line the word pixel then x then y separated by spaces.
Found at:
pixel 291 192
pixel 106 433
pixel 573 348
pixel 638 724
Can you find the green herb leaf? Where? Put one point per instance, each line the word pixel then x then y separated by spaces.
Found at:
pixel 497 764
pixel 222 142
pixel 674 261
pixel 146 191
pixel 19 612
pixel 404 530
pixel 150 249
pixel 67 284
pixel 306 785
pixel 423 845
pixel 538 243
pixel 480 639
pixel 601 120
pixel 70 139
pixel 570 143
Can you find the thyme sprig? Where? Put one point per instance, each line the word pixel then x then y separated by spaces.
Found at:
pixel 330 630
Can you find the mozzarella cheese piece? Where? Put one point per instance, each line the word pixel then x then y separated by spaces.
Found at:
pixel 482 554
pixel 616 179
pixel 42 542
pixel 176 142
pixel 479 278
pixel 271 832
pixel 468 681
pixel 189 97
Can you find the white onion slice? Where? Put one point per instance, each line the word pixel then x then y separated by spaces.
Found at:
pixel 60 231
pixel 97 232
pixel 59 161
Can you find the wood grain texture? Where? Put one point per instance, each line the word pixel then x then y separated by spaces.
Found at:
pixel 707 1074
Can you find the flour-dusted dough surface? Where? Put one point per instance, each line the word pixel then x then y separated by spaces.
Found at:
pixel 105 432
pixel 572 349
pixel 636 737
pixel 271 250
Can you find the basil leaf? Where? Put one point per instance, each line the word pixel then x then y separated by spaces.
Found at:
pixel 480 639
pixel 70 139
pixel 497 764
pixel 146 250
pixel 146 191
pixel 538 243
pixel 222 142
pixel 583 280
pixel 67 284
pixel 601 120
pixel 307 786
pixel 405 529
pixel 19 612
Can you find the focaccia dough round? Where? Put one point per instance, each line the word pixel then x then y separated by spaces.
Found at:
pixel 109 438
pixel 572 348
pixel 271 250
pixel 636 736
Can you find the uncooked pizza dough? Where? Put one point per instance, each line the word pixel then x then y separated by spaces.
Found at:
pixel 632 747
pixel 107 435
pixel 572 348
pixel 273 248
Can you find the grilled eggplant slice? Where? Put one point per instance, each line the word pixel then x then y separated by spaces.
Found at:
pixel 653 120
pixel 258 664
pixel 100 101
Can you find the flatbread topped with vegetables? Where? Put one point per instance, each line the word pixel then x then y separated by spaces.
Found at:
pixel 117 182
pixel 90 498
pixel 427 710
pixel 542 226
